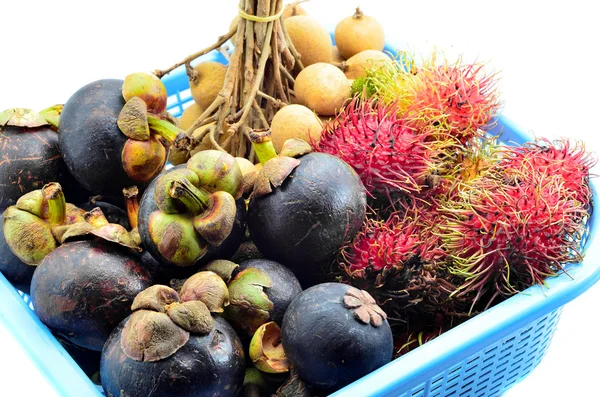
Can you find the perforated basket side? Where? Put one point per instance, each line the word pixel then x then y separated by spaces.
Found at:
pixel 493 370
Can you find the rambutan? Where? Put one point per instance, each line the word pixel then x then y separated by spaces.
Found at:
pixel 385 149
pixel 562 157
pixel 381 246
pixel 504 234
pixel 463 97
pixel 386 258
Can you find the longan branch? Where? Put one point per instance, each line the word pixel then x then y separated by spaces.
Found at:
pixel 266 51
pixel 221 40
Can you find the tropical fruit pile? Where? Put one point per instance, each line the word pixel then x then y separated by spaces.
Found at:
pixel 316 212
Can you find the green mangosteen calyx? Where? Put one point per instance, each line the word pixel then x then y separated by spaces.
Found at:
pixel 147 124
pixel 275 168
pixel 33 227
pixel 96 224
pixel 364 307
pixel 191 214
pixel 19 117
pixel 133 120
pixel 222 267
pixel 207 287
pixel 161 324
pixel 156 298
pixel 266 350
pixel 249 306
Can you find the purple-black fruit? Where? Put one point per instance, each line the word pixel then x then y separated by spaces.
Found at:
pixel 172 347
pixel 83 289
pixel 29 156
pixel 260 291
pixel 109 144
pixel 164 265
pixel 312 209
pixel 17 272
pixel 334 334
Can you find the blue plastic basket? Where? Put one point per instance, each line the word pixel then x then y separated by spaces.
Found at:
pixel 484 356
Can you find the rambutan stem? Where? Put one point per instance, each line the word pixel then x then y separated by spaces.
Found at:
pixel 263 146
pixel 57 205
pixel 194 199
pixel 132 204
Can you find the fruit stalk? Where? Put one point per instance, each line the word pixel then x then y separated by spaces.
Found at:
pixel 259 77
pixel 170 132
pixel 57 205
pixel 194 199
pixel 132 204
pixel 262 144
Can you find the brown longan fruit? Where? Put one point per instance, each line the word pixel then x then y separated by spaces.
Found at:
pixel 357 33
pixel 295 121
pixel 208 82
pixel 323 88
pixel 310 38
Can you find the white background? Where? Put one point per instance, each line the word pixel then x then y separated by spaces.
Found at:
pixel 546 54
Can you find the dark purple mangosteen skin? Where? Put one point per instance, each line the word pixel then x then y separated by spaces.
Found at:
pixel 167 270
pixel 326 344
pixel 284 285
pixel 112 213
pixel 83 289
pixel 211 365
pixel 303 223
pixel 29 159
pixel 90 140
pixel 17 272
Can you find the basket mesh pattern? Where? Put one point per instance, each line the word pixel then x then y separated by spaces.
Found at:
pixel 495 369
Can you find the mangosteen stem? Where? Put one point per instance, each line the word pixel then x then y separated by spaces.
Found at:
pixel 171 133
pixel 132 204
pixel 195 200
pixel 57 205
pixel 263 146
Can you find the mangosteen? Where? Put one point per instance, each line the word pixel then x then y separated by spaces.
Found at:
pixel 186 214
pixel 260 291
pixel 334 334
pixel 30 156
pixel 83 289
pixel 115 133
pixel 304 209
pixel 172 348
pixel 17 272
pixel 35 226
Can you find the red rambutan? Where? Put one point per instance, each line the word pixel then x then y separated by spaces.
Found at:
pixel 571 162
pixel 383 148
pixel 505 234
pixel 381 246
pixel 460 97
pixel 461 94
